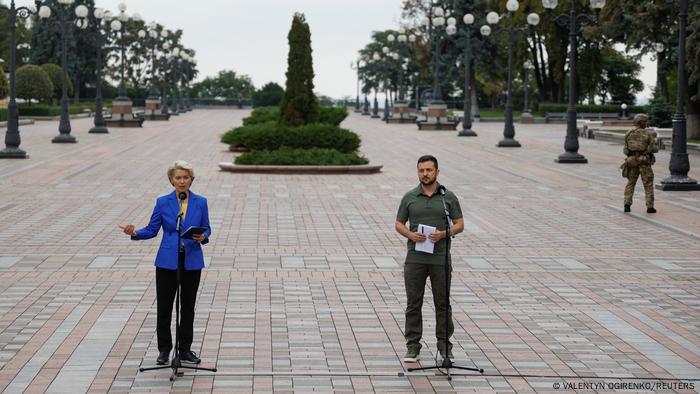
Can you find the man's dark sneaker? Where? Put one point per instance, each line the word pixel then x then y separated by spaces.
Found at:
pixel 412 356
pixel 449 354
pixel 162 358
pixel 627 208
pixel 651 210
pixel 189 357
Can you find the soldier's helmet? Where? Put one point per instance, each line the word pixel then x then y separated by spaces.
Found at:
pixel 641 120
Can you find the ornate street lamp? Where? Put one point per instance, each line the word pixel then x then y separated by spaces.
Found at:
pixel 164 98
pixel 12 138
pixel 356 66
pixel 679 166
pixel 375 108
pixel 492 18
pixel 387 57
pixel 99 122
pixel 122 105
pixel 64 11
pixel 574 22
pixel 526 116
pixel 153 101
pixel 485 31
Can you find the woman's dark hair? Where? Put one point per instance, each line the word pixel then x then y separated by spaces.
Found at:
pixel 425 158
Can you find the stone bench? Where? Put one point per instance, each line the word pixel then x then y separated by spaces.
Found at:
pixel 562 116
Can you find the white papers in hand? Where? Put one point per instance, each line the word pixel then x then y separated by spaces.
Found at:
pixel 427 245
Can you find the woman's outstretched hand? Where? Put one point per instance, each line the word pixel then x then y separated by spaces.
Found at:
pixel 129 229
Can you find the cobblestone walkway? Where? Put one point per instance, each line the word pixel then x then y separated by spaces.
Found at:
pixel 552 280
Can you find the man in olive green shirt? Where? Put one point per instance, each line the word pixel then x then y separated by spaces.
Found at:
pixel 424 205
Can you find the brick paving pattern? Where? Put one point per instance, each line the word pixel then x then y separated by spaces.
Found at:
pixel 305 271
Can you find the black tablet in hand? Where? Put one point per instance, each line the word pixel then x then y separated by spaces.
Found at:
pixel 193 230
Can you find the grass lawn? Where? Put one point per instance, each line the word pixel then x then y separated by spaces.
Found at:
pixel 694 141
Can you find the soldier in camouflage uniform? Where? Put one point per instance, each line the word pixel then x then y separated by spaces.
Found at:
pixel 640 147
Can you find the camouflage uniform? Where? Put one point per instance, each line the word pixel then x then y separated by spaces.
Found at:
pixel 640 147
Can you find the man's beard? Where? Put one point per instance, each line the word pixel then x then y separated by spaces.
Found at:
pixel 429 181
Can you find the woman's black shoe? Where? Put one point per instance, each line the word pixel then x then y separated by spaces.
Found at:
pixel 189 357
pixel 162 358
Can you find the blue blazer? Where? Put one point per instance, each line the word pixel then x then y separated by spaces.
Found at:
pixel 165 215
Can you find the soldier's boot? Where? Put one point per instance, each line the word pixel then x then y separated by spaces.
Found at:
pixel 651 210
pixel 627 208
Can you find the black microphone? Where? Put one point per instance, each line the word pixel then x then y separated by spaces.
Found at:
pixel 183 196
pixel 441 189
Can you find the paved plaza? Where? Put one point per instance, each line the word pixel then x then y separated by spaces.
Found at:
pixel 304 286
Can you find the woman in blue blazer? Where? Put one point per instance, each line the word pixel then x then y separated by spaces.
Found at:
pixel 194 212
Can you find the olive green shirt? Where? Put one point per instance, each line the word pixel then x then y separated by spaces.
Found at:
pixel 417 208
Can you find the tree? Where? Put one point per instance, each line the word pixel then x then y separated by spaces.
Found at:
pixel 54 72
pixel 660 111
pixel 33 83
pixel 4 84
pixel 227 84
pixel 299 105
pixel 82 51
pixel 269 95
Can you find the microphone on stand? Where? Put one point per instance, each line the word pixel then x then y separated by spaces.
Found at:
pixel 441 189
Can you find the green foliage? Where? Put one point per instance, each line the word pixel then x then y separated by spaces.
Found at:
pixel 4 84
pixel 330 115
pixel 43 109
pixel 290 156
pixel 607 108
pixel 620 77
pixel 272 136
pixel 262 115
pixel 3 114
pixel 299 105
pixel 33 83
pixel 660 111
pixel 227 84
pixel 54 72
pixel 269 95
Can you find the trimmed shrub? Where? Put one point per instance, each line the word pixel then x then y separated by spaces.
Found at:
pixel 54 72
pixel 33 83
pixel 272 136
pixel 51 110
pixel 333 115
pixel 330 115
pixel 3 114
pixel 262 115
pixel 289 156
pixel 607 108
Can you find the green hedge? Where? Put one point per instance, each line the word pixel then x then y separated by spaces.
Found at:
pixel 329 115
pixel 310 157
pixel 262 115
pixel 272 136
pixel 608 108
pixel 52 110
pixel 3 114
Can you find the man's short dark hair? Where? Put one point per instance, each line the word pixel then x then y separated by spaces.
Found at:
pixel 425 158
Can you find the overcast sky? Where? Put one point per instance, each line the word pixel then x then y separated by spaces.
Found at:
pixel 250 37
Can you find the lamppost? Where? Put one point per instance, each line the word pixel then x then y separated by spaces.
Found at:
pixel 153 100
pixel 122 105
pixel 99 122
pixel 375 108
pixel 574 22
pixel 485 31
pixel 624 110
pixel 385 69
pixel 400 110
pixel 12 138
pixel 164 97
pixel 63 12
pixel 679 166
pixel 492 18
pixel 526 116
pixel 356 66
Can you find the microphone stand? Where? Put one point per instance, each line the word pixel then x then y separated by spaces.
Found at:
pixel 446 361
pixel 176 364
